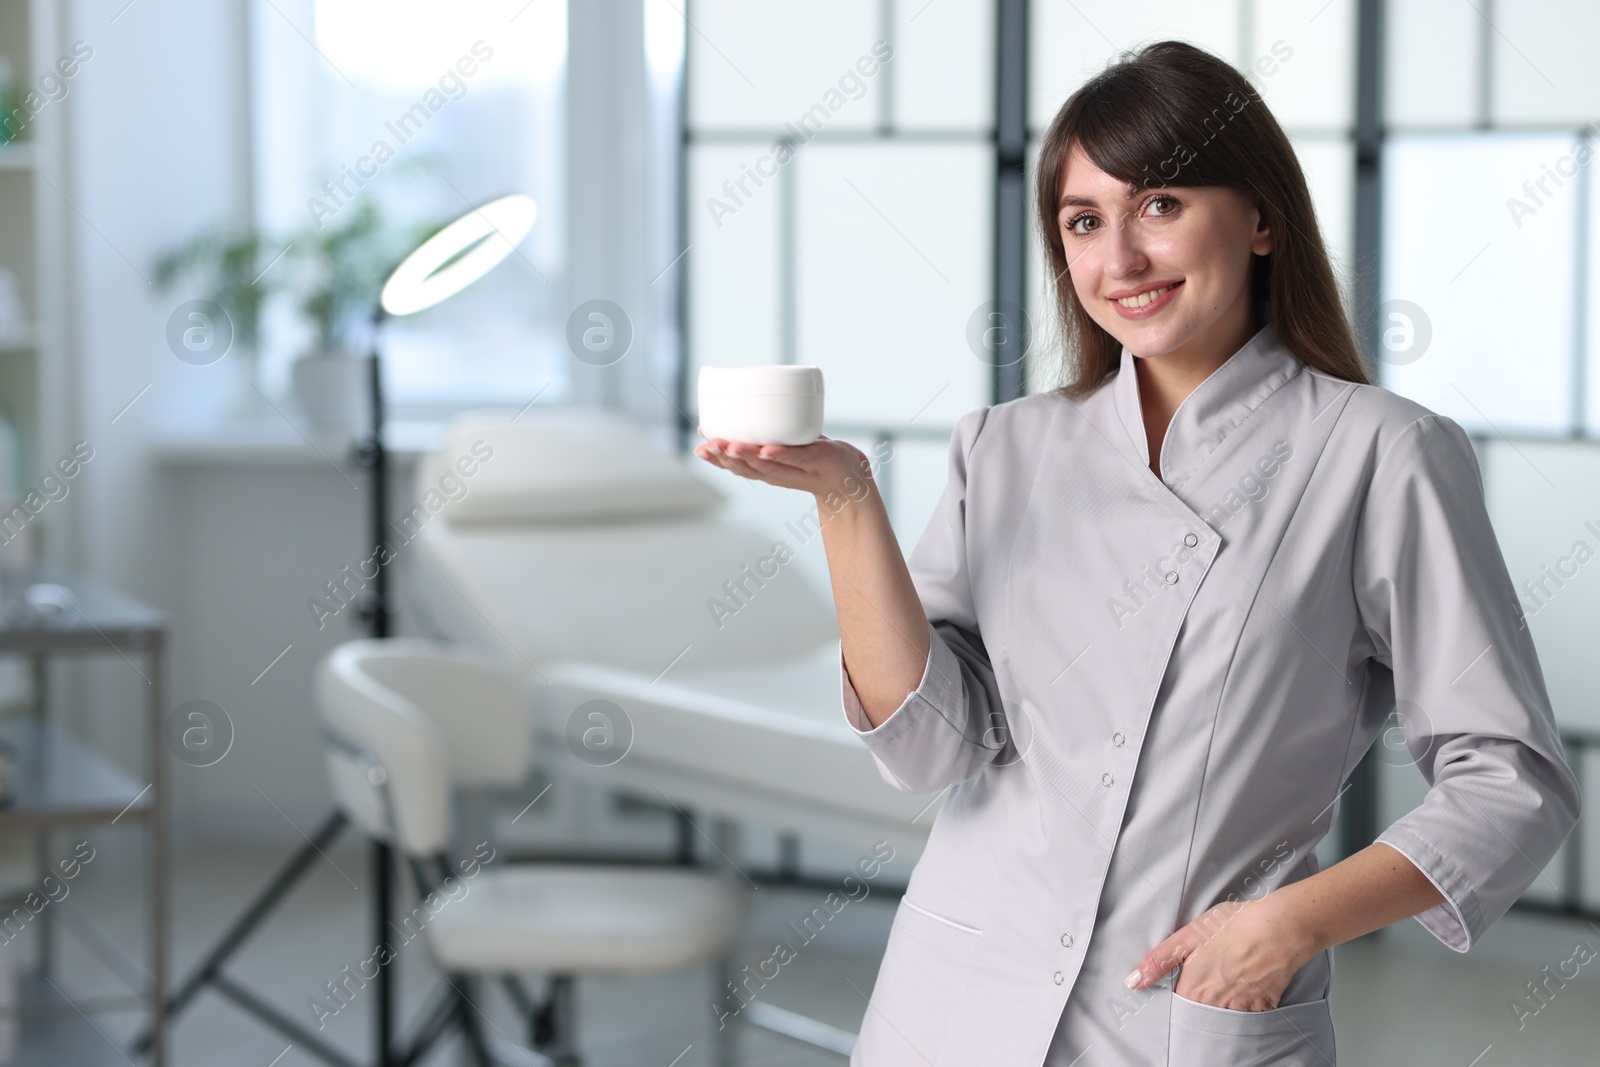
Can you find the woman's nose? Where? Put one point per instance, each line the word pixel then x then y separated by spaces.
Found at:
pixel 1124 254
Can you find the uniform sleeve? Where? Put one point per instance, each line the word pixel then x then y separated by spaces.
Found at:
pixel 952 725
pixel 1438 603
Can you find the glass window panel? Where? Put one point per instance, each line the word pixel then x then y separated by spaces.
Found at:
pixel 1591 378
pixel 734 290
pixel 1043 365
pixel 288 131
pixel 760 65
pixel 944 65
pixel 1451 248
pixel 1329 166
pixel 1544 67
pixel 1303 59
pixel 917 472
pixel 1540 496
pixel 363 102
pixel 1072 40
pixel 894 255
pixel 1431 63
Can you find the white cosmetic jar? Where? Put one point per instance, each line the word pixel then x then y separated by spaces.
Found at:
pixel 780 404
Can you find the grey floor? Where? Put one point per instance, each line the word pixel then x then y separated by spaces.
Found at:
pixel 1401 995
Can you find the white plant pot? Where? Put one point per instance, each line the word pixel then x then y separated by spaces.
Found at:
pixel 331 392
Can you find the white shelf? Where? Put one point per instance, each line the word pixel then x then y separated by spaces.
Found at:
pixel 35 366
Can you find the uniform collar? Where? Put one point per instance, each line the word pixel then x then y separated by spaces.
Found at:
pixel 1215 407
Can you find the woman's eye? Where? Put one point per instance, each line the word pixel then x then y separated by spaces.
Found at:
pixel 1071 225
pixel 1167 199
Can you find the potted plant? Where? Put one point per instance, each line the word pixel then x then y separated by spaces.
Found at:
pixel 333 272
pixel 339 271
pixel 233 264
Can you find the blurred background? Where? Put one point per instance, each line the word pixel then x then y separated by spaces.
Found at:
pixel 198 203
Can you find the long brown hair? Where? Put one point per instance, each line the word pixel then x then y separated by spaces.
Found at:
pixel 1175 115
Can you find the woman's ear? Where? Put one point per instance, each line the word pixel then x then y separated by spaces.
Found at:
pixel 1261 241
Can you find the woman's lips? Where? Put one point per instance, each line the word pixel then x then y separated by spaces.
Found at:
pixel 1151 308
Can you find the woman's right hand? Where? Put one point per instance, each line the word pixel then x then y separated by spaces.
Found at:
pixel 824 466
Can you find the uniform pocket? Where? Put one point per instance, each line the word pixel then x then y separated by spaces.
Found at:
pixel 1290 1035
pixel 921 988
pixel 937 928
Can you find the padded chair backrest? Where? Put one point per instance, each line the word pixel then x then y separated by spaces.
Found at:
pixel 637 595
pixel 432 717
pixel 580 539
pixel 477 704
pixel 561 464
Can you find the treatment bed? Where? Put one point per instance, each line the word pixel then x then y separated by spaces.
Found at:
pixel 568 542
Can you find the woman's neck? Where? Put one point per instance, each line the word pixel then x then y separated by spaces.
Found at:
pixel 1164 381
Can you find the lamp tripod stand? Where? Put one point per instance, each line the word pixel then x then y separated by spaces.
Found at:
pixel 449 261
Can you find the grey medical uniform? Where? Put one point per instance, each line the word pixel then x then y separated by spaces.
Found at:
pixel 1146 697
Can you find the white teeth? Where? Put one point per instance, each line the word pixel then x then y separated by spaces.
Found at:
pixel 1143 298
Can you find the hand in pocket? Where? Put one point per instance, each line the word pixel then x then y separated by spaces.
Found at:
pixel 1239 955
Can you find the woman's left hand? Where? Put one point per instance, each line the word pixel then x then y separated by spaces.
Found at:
pixel 1240 955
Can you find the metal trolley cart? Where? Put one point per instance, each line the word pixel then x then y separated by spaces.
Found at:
pixel 59 781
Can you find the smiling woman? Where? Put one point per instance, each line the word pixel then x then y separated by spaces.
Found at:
pixel 1180 113
pixel 1186 749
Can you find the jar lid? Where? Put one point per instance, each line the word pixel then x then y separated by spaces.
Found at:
pixel 779 379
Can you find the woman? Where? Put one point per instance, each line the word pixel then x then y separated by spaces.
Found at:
pixel 1158 617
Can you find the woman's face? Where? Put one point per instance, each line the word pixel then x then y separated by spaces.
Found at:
pixel 1193 242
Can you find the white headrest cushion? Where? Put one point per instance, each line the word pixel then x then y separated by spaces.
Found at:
pixel 559 464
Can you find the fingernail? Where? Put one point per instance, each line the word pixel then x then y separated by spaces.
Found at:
pixel 1132 979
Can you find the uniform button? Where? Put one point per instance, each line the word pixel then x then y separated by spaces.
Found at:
pixel 1172 577
pixel 1117 739
pixel 1060 978
pixel 1066 940
pixel 1191 540
pixel 1106 779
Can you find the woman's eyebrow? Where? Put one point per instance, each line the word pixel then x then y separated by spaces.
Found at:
pixel 1089 201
